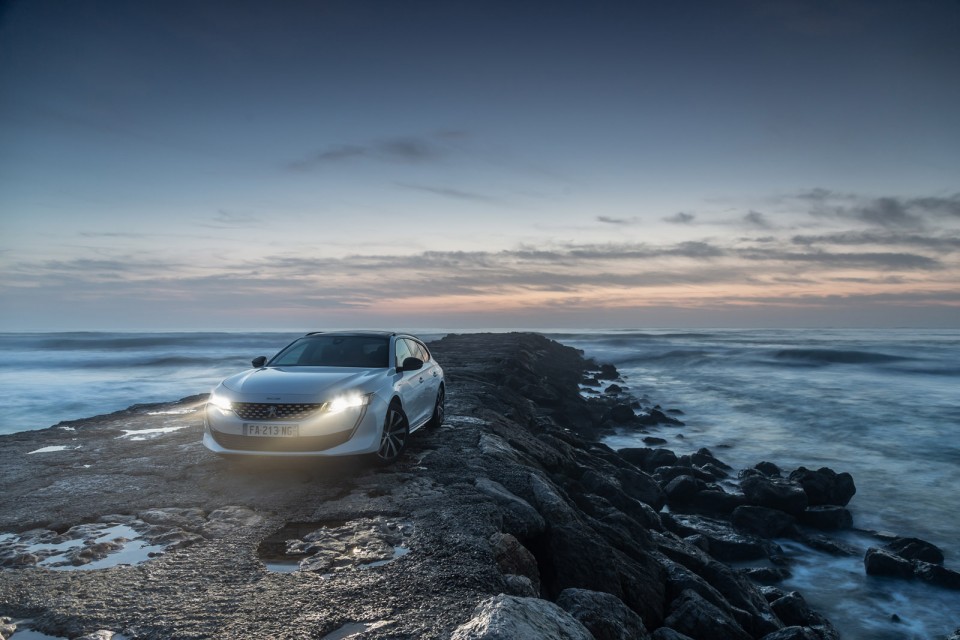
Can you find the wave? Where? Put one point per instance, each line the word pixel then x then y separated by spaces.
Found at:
pixel 836 356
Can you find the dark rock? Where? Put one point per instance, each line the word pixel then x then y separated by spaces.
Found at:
pixel 771 594
pixel 666 474
pixel 514 558
pixel 878 562
pixel 621 414
pixel 761 521
pixel 768 469
pixel 774 493
pixel 654 440
pixel 640 486
pixel 715 472
pixel 724 542
pixel 665 633
pixel 613 389
pixel 793 633
pixel 697 618
pixel 604 615
pixel 916 549
pixel 936 574
pixel 519 517
pixel 827 545
pixel 768 575
pixel 591 382
pixel 608 372
pixel 520 586
pixel 792 609
pixel 715 502
pixel 704 457
pixel 827 517
pixel 825 486
pixel 682 489
pixel 655 416
pixel 648 459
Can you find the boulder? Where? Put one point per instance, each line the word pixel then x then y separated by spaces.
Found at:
pixel 654 440
pixel 878 562
pixel 665 633
pixel 774 493
pixel 768 469
pixel 514 558
pixel 761 521
pixel 604 615
pixel 704 457
pixel 724 543
pixel 613 389
pixel 936 574
pixel 827 517
pixel 697 618
pixel 506 617
pixel 825 486
pixel 767 575
pixel 608 372
pixel 520 586
pixel 648 459
pixel 519 518
pixel 715 501
pixel 916 549
pixel 793 633
pixel 621 414
pixel 682 489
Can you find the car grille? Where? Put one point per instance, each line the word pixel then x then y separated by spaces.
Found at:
pixel 266 411
pixel 257 443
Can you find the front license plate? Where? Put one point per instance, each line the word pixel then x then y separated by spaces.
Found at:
pixel 271 430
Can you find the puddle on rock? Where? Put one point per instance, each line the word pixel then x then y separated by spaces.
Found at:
pixel 327 548
pixel 96 545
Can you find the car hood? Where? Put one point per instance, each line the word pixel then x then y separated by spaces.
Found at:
pixel 319 382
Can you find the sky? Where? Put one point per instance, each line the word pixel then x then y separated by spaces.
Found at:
pixel 221 165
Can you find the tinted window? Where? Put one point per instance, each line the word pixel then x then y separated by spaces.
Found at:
pixel 403 352
pixel 334 351
pixel 417 349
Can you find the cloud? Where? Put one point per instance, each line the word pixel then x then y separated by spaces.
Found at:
pixel 680 218
pixel 619 221
pixel 448 192
pixel 866 260
pixel 402 149
pixel 230 220
pixel 888 212
pixel 756 219
pixel 943 243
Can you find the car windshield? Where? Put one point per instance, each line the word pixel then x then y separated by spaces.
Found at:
pixel 335 351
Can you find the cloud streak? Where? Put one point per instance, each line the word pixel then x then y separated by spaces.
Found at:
pixel 402 149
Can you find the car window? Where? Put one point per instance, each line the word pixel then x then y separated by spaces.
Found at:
pixel 334 351
pixel 417 350
pixel 403 351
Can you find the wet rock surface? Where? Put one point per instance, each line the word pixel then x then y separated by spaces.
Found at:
pixel 481 527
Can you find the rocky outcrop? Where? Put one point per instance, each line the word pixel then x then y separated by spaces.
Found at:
pixel 481 527
pixel 507 617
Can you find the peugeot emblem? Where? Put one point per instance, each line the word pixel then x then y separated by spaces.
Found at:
pixel 272 412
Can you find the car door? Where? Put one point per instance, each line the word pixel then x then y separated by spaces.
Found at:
pixel 429 378
pixel 408 386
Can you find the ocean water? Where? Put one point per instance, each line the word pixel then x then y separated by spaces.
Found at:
pixel 883 405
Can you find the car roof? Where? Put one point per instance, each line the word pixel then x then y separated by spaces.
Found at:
pixel 353 333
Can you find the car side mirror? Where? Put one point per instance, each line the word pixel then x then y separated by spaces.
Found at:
pixel 411 364
pixel 259 361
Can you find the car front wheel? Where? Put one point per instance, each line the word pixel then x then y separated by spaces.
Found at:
pixel 396 430
pixel 439 411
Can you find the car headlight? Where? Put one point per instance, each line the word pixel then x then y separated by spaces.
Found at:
pixel 347 401
pixel 220 402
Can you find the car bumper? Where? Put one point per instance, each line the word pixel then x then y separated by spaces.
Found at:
pixel 351 432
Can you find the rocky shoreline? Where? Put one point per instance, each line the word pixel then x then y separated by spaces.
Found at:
pixel 510 521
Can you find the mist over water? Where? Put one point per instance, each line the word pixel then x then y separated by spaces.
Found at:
pixel 50 377
pixel 883 405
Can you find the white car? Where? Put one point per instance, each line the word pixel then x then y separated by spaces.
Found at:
pixel 329 394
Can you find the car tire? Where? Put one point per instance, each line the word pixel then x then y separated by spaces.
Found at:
pixel 393 438
pixel 439 410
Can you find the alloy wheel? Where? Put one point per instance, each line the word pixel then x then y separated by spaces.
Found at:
pixel 394 436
